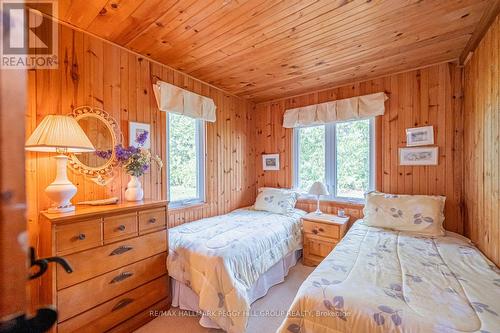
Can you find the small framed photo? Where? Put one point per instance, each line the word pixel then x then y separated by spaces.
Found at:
pixel 271 162
pixel 418 156
pixel 136 129
pixel 420 136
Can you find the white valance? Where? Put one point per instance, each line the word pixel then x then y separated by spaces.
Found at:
pixel 360 107
pixel 171 98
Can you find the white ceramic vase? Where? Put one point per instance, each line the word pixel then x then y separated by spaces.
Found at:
pixel 134 190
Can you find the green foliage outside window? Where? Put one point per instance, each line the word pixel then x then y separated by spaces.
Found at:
pixel 353 158
pixel 182 160
pixel 311 156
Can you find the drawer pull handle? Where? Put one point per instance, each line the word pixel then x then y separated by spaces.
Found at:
pixel 315 231
pixel 122 276
pixel 120 250
pixel 80 237
pixel 121 227
pixel 123 303
pixel 152 220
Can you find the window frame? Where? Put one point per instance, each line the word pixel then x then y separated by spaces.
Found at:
pixel 200 139
pixel 331 161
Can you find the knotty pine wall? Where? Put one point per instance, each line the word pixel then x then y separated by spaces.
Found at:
pixel 428 96
pixel 481 148
pixel 97 73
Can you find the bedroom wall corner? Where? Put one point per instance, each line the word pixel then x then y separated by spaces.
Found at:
pixel 421 97
pixel 482 146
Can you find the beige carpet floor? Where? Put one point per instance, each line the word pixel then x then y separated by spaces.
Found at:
pixel 278 299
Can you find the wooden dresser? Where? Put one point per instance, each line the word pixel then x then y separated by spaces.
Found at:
pixel 118 254
pixel 321 233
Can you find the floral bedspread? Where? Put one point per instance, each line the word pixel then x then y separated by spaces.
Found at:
pixel 377 280
pixel 221 257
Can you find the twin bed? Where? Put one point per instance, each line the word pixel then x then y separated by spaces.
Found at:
pixel 378 280
pixel 220 265
pixel 375 280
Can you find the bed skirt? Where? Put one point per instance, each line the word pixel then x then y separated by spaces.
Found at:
pixel 186 299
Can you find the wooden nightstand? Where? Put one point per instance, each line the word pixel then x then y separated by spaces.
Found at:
pixel 321 233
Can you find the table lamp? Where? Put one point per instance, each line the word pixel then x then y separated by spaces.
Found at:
pixel 317 189
pixel 60 134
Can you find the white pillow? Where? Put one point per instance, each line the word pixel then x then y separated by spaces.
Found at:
pixel 276 200
pixel 423 214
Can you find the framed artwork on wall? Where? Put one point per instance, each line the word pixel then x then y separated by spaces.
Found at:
pixel 271 162
pixel 420 136
pixel 136 129
pixel 418 156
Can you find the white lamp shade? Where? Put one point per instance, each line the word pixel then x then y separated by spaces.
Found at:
pixel 58 132
pixel 318 188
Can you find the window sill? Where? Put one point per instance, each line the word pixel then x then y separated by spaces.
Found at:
pixel 191 205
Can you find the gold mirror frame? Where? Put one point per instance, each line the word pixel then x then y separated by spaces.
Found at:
pixel 101 173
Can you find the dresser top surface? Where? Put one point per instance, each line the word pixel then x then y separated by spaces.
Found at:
pixel 84 211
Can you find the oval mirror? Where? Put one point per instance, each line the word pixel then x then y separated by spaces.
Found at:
pixel 101 137
pixel 102 130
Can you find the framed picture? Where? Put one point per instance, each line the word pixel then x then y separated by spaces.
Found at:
pixel 136 129
pixel 418 156
pixel 271 162
pixel 420 136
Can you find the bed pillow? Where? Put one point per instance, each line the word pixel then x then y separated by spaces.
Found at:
pixel 421 214
pixel 276 200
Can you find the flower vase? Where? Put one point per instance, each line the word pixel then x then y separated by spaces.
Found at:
pixel 134 190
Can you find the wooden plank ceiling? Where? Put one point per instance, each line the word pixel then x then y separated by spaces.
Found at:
pixel 265 49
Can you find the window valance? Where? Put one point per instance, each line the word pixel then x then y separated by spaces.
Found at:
pixel 359 107
pixel 171 98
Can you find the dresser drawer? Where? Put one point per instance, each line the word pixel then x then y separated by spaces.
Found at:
pixel 120 227
pixel 152 219
pixel 90 263
pixel 78 236
pixel 107 315
pixel 322 229
pixel 83 296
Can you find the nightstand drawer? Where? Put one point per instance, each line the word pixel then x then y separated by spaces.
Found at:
pixel 78 236
pixel 322 229
pixel 315 246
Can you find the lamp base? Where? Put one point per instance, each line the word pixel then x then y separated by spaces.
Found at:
pixel 318 211
pixel 61 190
pixel 58 210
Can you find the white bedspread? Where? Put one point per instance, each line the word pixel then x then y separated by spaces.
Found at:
pixel 377 280
pixel 221 257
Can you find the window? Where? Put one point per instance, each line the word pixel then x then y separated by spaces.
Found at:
pixel 341 155
pixel 186 151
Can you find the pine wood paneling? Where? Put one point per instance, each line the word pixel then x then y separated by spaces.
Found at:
pixel 428 96
pixel 97 73
pixel 482 145
pixel 264 49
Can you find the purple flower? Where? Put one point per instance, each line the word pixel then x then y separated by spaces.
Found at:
pixel 141 138
pixel 104 154
pixel 124 154
pixel 134 160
